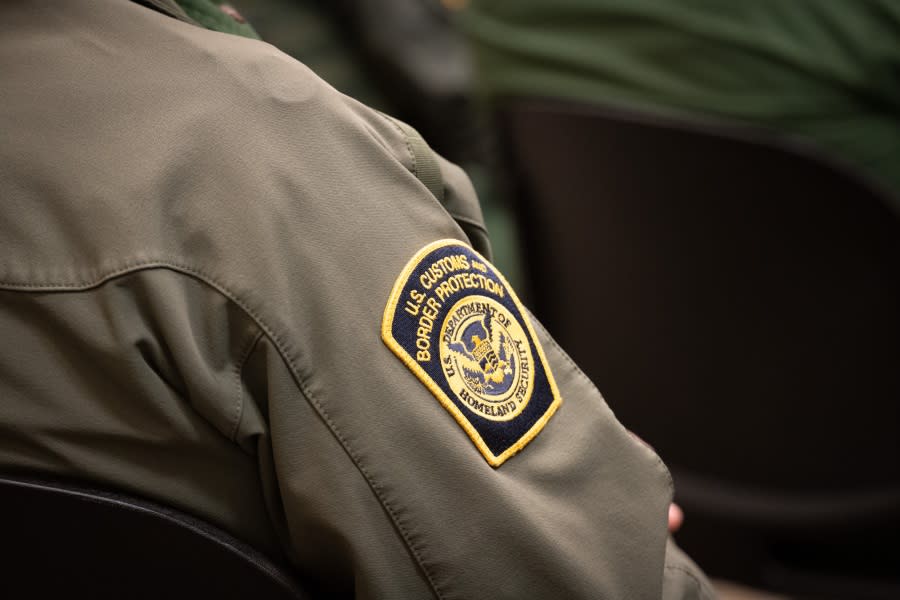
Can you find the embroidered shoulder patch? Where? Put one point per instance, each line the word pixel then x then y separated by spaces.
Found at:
pixel 455 322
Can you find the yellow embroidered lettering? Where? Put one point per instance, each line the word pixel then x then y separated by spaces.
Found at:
pixel 443 290
pixel 423 342
pixel 427 280
pixel 436 270
pixel 429 311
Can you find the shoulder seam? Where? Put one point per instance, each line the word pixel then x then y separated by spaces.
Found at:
pixel 425 165
pixel 396 125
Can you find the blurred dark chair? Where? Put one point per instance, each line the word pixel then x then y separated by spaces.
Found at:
pixel 737 300
pixel 65 541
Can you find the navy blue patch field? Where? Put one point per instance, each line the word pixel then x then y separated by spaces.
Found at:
pixel 455 322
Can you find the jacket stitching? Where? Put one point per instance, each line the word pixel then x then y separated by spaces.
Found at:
pixel 412 155
pixel 414 170
pixel 238 376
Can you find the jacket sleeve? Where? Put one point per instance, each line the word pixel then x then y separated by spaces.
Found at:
pixel 382 487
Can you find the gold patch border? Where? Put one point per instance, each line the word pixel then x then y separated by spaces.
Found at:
pixel 386 336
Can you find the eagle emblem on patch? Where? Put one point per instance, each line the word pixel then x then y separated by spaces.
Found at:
pixel 455 322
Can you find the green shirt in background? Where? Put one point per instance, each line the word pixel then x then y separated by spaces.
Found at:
pixel 828 72
pixel 217 16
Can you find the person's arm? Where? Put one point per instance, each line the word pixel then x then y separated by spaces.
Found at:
pixel 404 456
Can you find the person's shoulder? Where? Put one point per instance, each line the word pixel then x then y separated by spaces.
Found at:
pixel 229 80
pixel 222 63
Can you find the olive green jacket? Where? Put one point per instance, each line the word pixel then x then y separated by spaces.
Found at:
pixel 198 239
pixel 826 72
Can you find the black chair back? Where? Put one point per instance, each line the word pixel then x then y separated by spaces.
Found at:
pixel 69 541
pixel 737 301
